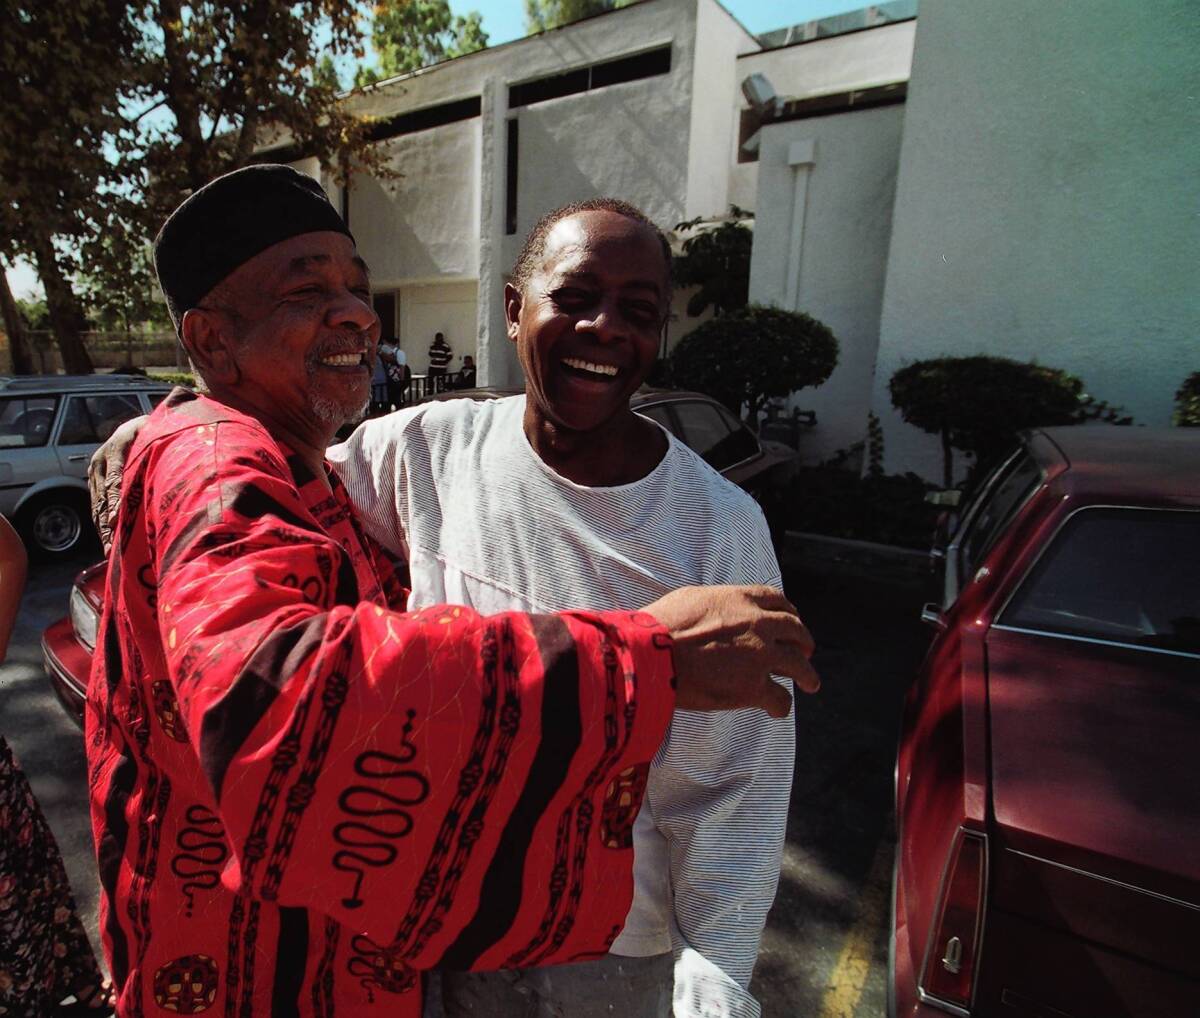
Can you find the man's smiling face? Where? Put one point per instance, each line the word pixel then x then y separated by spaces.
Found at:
pixel 307 331
pixel 588 323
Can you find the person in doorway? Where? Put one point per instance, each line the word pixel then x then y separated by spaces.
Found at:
pixel 377 792
pixel 440 355
pixel 47 968
pixel 563 496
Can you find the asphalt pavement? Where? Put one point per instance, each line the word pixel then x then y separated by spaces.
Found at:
pixel 824 954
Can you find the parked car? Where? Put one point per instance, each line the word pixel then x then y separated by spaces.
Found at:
pixel 49 427
pixel 1047 790
pixel 716 434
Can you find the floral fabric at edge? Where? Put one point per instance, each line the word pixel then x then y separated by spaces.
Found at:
pixel 44 951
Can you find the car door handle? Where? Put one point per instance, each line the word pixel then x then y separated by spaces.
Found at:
pixel 79 457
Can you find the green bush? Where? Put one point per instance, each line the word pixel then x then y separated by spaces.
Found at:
pixel 752 355
pixel 1187 402
pixel 978 404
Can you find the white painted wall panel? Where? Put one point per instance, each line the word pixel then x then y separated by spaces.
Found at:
pixel 841 237
pixel 1047 197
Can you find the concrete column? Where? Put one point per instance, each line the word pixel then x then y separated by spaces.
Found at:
pixel 801 156
pixel 492 358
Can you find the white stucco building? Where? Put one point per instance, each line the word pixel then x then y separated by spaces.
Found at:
pixel 642 103
pixel 1024 186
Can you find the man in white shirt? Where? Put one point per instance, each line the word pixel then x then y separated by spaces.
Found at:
pixel 565 497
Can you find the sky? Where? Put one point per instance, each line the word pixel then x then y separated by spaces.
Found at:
pixel 504 20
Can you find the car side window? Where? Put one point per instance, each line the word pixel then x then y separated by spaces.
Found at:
pixel 25 421
pixel 1021 478
pixel 661 414
pixel 154 398
pixel 709 434
pixel 742 443
pixel 93 418
pixel 1123 575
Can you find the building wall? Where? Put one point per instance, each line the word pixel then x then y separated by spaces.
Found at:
pixel 826 188
pixel 878 56
pixel 425 223
pixel 1046 198
pixel 428 309
pixel 720 40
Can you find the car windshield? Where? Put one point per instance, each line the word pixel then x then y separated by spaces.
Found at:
pixel 1121 575
pixel 25 421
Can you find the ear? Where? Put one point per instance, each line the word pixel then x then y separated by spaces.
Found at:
pixel 210 345
pixel 512 310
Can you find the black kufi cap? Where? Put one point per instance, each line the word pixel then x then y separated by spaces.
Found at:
pixel 230 220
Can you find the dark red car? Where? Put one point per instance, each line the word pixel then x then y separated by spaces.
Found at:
pixel 1048 775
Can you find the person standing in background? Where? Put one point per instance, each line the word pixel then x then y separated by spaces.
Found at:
pixel 395 364
pixel 440 355
pixel 45 956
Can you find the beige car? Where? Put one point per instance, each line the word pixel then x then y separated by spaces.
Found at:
pixel 49 427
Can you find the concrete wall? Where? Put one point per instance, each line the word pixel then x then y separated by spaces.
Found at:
pixel 425 224
pixel 1046 201
pixel 720 40
pixel 878 56
pixel 826 187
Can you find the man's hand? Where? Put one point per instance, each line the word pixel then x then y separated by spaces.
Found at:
pixel 104 477
pixel 728 643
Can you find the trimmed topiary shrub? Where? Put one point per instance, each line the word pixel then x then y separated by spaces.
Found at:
pixel 1187 402
pixel 752 355
pixel 978 404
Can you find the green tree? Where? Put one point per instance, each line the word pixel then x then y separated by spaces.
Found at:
pixel 14 328
pixel 978 404
pixel 718 262
pixel 410 34
pixel 61 72
pixel 1187 402
pixel 752 355
pixel 541 15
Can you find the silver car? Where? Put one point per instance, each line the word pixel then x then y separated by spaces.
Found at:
pixel 49 427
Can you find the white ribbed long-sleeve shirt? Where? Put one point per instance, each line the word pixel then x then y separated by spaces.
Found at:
pixel 456 488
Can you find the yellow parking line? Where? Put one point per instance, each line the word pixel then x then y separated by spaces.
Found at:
pixel 849 976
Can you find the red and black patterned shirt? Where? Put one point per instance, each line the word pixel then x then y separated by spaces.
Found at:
pixel 301 797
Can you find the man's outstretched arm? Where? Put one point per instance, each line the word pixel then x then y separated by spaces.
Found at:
pixel 486 744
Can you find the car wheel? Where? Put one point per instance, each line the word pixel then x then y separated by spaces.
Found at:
pixel 55 525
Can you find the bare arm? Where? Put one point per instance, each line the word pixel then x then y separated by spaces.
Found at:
pixel 12 581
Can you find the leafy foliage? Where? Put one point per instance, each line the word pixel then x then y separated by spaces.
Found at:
pixel 117 110
pixel 754 354
pixel 61 71
pixel 717 261
pixel 409 34
pixel 978 404
pixel 1187 402
pixel 541 15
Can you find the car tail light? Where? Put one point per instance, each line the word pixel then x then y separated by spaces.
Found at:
pixel 952 955
pixel 84 618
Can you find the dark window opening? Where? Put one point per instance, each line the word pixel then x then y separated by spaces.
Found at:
pixel 423 120
pixel 510 180
pixel 610 72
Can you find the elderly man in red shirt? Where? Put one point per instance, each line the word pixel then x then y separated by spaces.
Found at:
pixel 299 793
